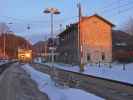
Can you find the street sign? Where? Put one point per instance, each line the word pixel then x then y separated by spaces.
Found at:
pixel 52 48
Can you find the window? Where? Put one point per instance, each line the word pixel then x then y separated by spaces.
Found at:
pixel 88 57
pixel 103 56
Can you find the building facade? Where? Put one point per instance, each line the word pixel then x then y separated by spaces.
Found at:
pixel 95 41
pixel 42 49
pixel 122 46
pixel 68 45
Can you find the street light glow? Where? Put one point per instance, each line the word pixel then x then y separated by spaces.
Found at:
pixel 28 55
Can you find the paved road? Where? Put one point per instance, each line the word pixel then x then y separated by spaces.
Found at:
pixel 15 84
pixel 4 66
pixel 102 88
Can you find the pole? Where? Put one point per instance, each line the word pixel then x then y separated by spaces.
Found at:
pixel 80 39
pixel 52 26
pixel 52 11
pixel 4 45
pixel 60 28
pixel 52 44
pixel 52 48
pixel 27 44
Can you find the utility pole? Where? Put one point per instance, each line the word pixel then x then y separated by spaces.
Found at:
pixel 27 44
pixel 4 38
pixel 60 28
pixel 80 45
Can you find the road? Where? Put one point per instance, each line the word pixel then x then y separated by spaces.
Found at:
pixel 15 84
pixel 106 89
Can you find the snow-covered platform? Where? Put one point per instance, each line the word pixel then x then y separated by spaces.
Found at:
pixel 46 85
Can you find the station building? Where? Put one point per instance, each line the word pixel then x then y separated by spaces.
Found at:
pixel 95 41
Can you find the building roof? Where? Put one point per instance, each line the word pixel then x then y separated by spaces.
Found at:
pixel 100 17
pixel 123 38
pixel 71 26
pixel 68 28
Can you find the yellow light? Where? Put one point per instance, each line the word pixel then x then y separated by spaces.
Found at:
pixel 28 55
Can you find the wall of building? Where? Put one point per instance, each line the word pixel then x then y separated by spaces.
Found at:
pixel 68 52
pixel 96 38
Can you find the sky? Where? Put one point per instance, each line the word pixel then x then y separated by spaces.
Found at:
pixel 24 13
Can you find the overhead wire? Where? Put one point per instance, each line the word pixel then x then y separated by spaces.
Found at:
pixel 117 7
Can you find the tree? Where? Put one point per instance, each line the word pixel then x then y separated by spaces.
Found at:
pixel 13 42
pixel 3 28
pixel 128 27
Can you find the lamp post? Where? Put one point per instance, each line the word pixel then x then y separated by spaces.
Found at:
pixel 4 41
pixel 28 40
pixel 52 12
pixel 14 40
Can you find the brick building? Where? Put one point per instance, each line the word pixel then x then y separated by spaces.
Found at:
pixel 122 43
pixel 95 39
pixel 42 49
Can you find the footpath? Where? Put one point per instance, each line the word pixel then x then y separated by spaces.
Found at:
pixel 15 84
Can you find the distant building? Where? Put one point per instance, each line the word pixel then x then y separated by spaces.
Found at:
pixel 95 39
pixel 2 56
pixel 122 46
pixel 42 49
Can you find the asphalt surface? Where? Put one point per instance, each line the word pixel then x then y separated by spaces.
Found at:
pixel 16 84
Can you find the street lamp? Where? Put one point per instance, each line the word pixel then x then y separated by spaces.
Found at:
pixel 52 12
pixel 28 40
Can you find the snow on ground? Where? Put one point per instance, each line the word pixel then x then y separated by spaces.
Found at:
pixel 3 62
pixel 114 73
pixel 47 86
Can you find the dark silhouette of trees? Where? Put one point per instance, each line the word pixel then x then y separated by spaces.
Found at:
pixel 128 26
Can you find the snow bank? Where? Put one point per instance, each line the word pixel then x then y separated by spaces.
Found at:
pixel 47 86
pixel 3 62
pixel 114 73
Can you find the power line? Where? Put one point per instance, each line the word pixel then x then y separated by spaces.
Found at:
pixel 31 25
pixel 38 21
pixel 127 9
pixel 112 3
pixel 108 10
pixel 122 11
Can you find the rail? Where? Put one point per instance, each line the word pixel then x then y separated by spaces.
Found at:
pixel 106 88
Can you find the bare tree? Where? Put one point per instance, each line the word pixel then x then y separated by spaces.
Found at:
pixel 128 27
pixel 3 28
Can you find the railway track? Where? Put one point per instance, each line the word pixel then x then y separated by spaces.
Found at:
pixel 108 89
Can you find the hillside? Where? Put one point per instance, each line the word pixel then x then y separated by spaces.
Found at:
pixel 13 42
